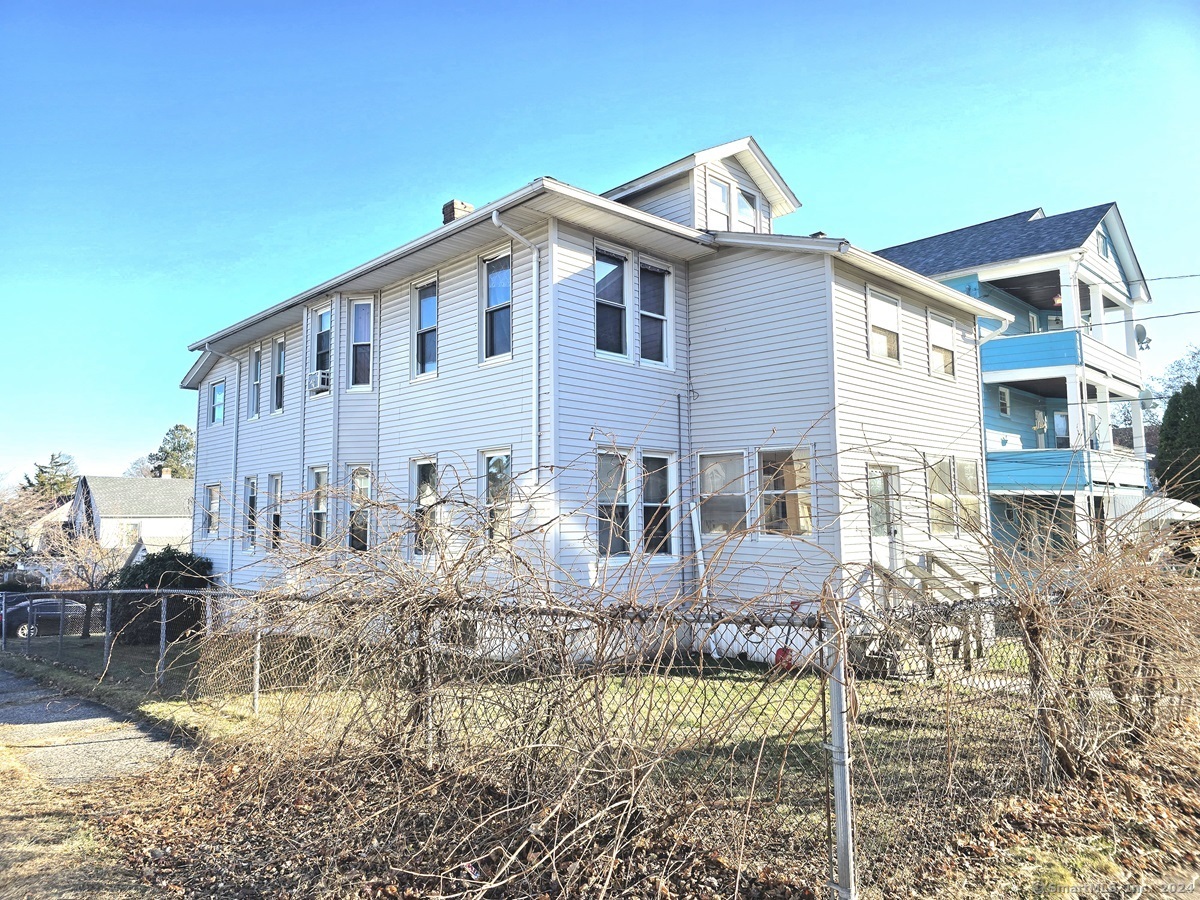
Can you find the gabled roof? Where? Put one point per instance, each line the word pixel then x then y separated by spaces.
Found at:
pixel 139 497
pixel 748 154
pixel 1023 234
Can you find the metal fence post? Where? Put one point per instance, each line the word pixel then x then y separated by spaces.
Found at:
pixel 256 686
pixel 108 635
pixel 839 734
pixel 4 620
pixel 160 674
pixel 30 624
pixel 62 623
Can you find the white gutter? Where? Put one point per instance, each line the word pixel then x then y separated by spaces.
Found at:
pixel 535 433
pixel 237 425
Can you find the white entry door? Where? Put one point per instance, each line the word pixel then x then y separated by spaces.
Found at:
pixel 883 511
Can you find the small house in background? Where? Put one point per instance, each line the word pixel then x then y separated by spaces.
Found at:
pixel 139 514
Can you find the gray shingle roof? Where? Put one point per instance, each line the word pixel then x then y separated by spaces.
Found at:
pixel 137 497
pixel 1022 234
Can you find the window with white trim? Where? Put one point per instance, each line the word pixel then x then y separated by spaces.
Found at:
pixel 941 495
pixel 250 513
pixel 358 536
pixel 322 363
pixel 884 320
pixel 497 306
pixel 497 488
pixel 318 505
pixel 747 210
pixel 718 204
pixel 611 274
pixel 425 504
pixel 278 365
pixel 1005 403
pixel 211 515
pixel 216 403
pixel 1034 324
pixel 654 310
pixel 785 485
pixel 970 500
pixel 722 492
pixel 361 327
pixel 425 315
pixel 275 534
pixel 657 520
pixel 612 504
pixel 941 345
pixel 255 382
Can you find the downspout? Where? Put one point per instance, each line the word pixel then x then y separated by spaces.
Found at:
pixel 237 425
pixel 535 434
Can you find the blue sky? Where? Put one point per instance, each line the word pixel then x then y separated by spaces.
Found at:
pixel 169 168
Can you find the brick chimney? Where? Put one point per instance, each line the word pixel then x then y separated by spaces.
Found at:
pixel 455 209
pixel 166 473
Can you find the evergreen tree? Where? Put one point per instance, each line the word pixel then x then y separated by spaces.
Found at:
pixel 177 452
pixel 1179 445
pixel 54 480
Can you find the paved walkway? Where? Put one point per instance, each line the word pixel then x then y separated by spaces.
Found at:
pixel 66 740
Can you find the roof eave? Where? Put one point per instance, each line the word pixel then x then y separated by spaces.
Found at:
pixel 895 272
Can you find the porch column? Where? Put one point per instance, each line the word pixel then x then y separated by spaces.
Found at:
pixel 1104 431
pixel 1070 299
pixel 1131 347
pixel 1076 411
pixel 1083 518
pixel 1139 430
pixel 1096 304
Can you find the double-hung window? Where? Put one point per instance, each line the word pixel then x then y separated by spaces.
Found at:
pixel 320 380
pixel 497 307
pixel 426 315
pixel 785 483
pixel 941 496
pixel 359 533
pixel 318 505
pixel 970 504
pixel 426 497
pixel 718 205
pixel 611 302
pixel 941 345
pixel 884 318
pixel 211 517
pixel 255 382
pixel 360 343
pixel 250 514
pixel 656 504
pixel 747 211
pixel 275 536
pixel 497 476
pixel 279 355
pixel 722 492
pixel 654 312
pixel 216 403
pixel 612 502
pixel 1005 401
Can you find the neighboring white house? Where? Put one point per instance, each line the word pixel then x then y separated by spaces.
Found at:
pixel 136 514
pixel 655 363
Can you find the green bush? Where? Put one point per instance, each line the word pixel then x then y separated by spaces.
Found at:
pixel 136 619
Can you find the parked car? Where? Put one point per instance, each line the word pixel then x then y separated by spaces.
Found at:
pixel 46 617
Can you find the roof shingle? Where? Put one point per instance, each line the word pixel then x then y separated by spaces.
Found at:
pixel 141 497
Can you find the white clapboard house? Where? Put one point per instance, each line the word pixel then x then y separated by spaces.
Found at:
pixel 654 363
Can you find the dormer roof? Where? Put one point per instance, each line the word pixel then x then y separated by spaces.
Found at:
pixel 748 154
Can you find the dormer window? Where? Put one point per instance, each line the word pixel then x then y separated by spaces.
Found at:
pixel 718 205
pixel 747 211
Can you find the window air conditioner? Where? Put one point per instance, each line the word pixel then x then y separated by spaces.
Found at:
pixel 318 381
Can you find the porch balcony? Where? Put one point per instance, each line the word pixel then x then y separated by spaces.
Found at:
pixel 1063 471
pixel 1012 358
